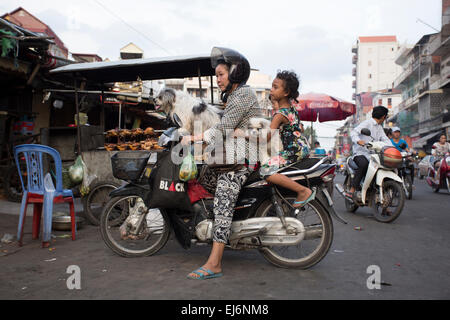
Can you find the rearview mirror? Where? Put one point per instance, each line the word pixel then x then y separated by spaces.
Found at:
pixel 366 132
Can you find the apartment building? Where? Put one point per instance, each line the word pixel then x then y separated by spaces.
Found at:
pixel 423 113
pixel 374 71
pixel 374 60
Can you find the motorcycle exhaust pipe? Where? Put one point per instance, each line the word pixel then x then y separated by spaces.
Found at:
pixel 339 188
pixel 314 232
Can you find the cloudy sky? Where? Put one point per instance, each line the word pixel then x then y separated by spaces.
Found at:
pixel 313 38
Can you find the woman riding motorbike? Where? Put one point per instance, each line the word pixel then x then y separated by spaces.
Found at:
pixel 232 72
pixel 439 150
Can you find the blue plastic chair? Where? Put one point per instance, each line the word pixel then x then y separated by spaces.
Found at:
pixel 40 191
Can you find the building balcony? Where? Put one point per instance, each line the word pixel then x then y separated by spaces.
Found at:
pixel 434 44
pixel 354 97
pixel 354 84
pixel 355 59
pixel 411 101
pixel 445 68
pixel 354 72
pixel 355 49
pixel 424 88
pixel 407 72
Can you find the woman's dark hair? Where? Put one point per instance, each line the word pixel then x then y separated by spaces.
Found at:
pixel 291 83
pixel 221 61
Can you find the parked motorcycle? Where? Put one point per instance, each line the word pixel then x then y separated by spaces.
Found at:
pixel 444 176
pixel 382 188
pixel 264 218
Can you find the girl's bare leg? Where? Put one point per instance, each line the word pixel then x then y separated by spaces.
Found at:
pixel 302 192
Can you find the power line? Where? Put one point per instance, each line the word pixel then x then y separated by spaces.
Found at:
pixel 131 27
pixel 423 22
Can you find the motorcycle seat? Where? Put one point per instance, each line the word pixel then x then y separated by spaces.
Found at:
pixel 302 164
pixel 307 166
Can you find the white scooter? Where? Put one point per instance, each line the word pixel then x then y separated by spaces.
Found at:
pixel 382 188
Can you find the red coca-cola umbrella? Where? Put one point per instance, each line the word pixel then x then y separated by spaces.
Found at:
pixel 313 106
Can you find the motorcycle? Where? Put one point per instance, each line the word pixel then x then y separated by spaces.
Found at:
pixel 406 172
pixel 264 218
pixel 382 188
pixel 444 176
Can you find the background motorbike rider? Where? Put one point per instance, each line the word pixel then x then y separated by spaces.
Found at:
pixel 397 142
pixel 361 153
pixel 439 150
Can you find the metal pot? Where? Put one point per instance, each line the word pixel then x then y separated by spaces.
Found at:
pixel 61 221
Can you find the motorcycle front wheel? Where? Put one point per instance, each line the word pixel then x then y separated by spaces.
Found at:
pixel 121 235
pixel 394 200
pixel 317 242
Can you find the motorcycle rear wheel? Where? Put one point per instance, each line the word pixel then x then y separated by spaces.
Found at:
pixel 146 243
pixel 409 187
pixel 316 221
pixel 95 201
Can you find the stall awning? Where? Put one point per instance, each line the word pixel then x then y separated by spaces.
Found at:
pixel 422 141
pixel 145 69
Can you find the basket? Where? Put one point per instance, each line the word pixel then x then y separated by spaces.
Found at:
pixel 129 165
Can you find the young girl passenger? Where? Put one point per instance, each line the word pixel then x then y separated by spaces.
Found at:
pixel 285 118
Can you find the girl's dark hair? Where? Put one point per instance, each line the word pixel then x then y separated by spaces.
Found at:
pixel 291 83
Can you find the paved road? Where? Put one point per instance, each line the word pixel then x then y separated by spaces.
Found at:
pixel 412 253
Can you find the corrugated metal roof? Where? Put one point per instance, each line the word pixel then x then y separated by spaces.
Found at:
pixel 145 69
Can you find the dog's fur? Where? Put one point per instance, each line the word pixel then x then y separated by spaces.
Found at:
pixel 188 108
pixel 259 127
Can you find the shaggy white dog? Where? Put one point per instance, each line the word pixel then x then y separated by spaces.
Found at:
pixel 190 110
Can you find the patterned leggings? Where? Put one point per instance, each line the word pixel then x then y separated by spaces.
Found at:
pixel 227 191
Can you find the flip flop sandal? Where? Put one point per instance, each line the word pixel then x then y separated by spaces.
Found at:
pixel 348 194
pixel 303 203
pixel 202 276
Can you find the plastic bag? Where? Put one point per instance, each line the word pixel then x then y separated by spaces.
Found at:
pixel 188 169
pixel 76 171
pixel 87 180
